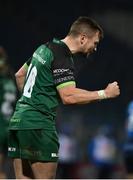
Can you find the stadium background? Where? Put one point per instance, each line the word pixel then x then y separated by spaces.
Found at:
pixel 26 24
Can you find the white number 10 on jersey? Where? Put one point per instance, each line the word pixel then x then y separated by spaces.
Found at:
pixel 31 74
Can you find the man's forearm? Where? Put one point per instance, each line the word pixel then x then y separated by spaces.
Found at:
pixel 73 95
pixel 79 96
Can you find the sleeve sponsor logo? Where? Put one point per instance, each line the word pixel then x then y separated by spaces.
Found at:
pixel 39 58
pixel 67 78
pixel 60 70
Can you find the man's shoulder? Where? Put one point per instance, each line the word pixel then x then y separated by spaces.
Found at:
pixel 58 48
pixel 53 45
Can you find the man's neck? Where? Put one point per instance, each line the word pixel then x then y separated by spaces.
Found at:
pixel 71 43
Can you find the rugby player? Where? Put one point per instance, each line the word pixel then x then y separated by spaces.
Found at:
pixel 49 80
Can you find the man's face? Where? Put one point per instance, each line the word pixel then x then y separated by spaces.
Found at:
pixel 89 44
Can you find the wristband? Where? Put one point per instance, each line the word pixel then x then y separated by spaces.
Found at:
pixel 101 94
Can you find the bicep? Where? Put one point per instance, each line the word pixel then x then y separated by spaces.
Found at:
pixel 22 71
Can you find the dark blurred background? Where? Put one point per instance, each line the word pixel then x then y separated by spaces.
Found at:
pixel 24 25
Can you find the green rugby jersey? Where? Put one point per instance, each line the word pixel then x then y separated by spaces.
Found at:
pixel 8 96
pixel 51 68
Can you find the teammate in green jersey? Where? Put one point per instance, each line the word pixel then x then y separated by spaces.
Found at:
pixel 49 80
pixel 8 96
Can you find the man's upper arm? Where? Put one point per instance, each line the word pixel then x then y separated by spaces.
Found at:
pixel 21 75
pixel 66 89
pixel 23 70
pixel 63 71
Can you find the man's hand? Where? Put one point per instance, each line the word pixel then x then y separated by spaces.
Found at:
pixel 112 90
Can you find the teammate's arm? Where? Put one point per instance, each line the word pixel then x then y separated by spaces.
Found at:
pixel 72 95
pixel 21 74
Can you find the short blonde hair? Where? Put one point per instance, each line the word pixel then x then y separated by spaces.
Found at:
pixel 85 25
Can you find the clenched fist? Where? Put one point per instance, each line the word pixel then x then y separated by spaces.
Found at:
pixel 112 90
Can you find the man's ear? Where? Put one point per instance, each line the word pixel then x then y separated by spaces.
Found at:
pixel 83 37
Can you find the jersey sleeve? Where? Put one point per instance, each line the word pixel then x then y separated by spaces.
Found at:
pixel 63 71
pixel 27 63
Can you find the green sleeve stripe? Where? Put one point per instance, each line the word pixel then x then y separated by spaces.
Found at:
pixel 65 84
pixel 25 66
